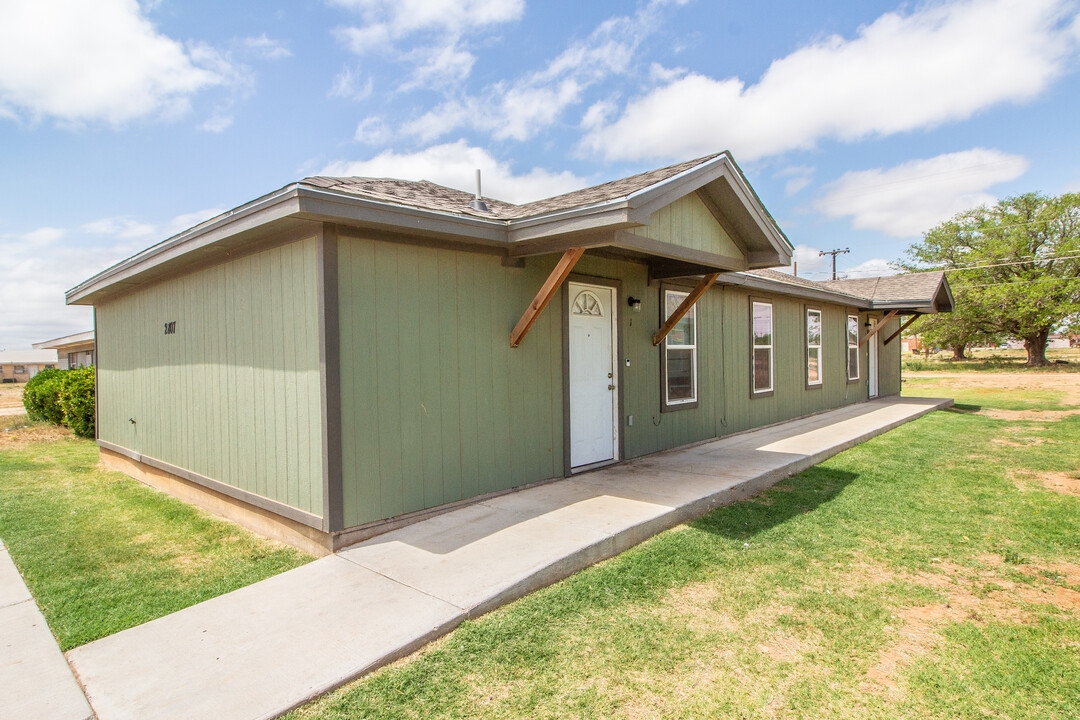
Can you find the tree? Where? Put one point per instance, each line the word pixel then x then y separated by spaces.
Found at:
pixel 965 326
pixel 1015 265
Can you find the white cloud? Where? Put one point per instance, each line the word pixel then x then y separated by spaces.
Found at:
pixel 43 235
pixel 347 84
pixel 41 265
pixel 454 165
pixel 910 198
pixel 216 123
pixel 266 48
pixel 123 227
pixel 875 267
pixel 33 283
pixel 520 109
pixel 938 63
pixel 799 177
pixel 808 260
pixel 395 19
pixel 372 131
pixel 440 58
pixel 102 61
pixel 188 220
pixel 439 66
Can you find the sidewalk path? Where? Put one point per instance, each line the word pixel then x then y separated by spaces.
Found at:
pixel 267 648
pixel 35 680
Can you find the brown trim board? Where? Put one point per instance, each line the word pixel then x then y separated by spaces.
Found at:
pixel 330 379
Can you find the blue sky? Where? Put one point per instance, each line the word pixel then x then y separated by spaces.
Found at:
pixel 860 124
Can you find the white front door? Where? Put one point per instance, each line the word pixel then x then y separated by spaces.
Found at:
pixel 594 424
pixel 872 366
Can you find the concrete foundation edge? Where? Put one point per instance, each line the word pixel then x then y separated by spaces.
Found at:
pixel 257 520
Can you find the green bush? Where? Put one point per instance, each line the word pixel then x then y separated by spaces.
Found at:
pixel 41 396
pixel 62 397
pixel 77 400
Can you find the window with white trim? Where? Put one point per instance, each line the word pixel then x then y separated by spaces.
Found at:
pixel 852 347
pixel 761 338
pixel 813 347
pixel 680 353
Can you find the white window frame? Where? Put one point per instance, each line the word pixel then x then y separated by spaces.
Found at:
pixel 809 346
pixel 754 347
pixel 692 312
pixel 849 346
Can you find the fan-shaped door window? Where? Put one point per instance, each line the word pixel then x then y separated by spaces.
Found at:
pixel 586 303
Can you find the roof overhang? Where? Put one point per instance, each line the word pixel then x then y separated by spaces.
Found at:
pixel 719 182
pixel 299 210
pixel 68 343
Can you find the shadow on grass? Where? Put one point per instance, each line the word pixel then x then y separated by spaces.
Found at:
pixel 790 498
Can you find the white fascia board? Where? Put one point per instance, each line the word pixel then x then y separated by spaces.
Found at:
pixel 783 288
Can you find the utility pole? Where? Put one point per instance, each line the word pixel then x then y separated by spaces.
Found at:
pixel 834 253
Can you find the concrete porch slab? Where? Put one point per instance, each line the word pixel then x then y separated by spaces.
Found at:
pixel 264 649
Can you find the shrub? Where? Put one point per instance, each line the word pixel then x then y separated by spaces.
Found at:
pixel 41 396
pixel 77 400
pixel 62 397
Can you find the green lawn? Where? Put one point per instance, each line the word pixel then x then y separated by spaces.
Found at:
pixel 102 552
pixel 929 573
pixel 994 361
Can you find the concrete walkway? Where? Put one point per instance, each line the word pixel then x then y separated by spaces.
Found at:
pixel 267 648
pixel 35 680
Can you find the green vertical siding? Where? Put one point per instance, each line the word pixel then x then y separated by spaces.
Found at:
pixel 436 406
pixel 234 394
pixel 688 223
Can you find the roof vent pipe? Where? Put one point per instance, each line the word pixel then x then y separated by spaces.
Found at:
pixel 477 203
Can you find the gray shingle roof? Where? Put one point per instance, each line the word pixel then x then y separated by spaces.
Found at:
pixel 891 288
pixel 916 289
pixel 429 196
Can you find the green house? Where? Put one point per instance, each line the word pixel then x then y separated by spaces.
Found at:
pixel 345 355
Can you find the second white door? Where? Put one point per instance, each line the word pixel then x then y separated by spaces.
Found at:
pixel 594 423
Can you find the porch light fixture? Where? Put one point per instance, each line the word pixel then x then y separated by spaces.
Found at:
pixel 634 303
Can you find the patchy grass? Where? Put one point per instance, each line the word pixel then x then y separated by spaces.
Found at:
pixel 102 552
pixel 919 575
pixel 994 361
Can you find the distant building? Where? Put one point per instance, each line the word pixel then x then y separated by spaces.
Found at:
pixel 1058 342
pixel 73 351
pixel 21 365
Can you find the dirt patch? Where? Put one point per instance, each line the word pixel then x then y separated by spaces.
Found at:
pixel 1020 442
pixel 971 595
pixel 20 437
pixel 783 648
pixel 1066 483
pixel 11 398
pixel 1043 415
pixel 695 605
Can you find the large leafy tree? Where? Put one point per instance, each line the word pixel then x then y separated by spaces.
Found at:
pixel 1015 266
pixel 965 326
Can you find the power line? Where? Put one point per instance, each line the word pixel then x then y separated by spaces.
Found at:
pixel 1021 282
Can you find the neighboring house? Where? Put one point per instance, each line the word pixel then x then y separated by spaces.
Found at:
pixel 73 351
pixel 18 366
pixel 347 354
pixel 1058 342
